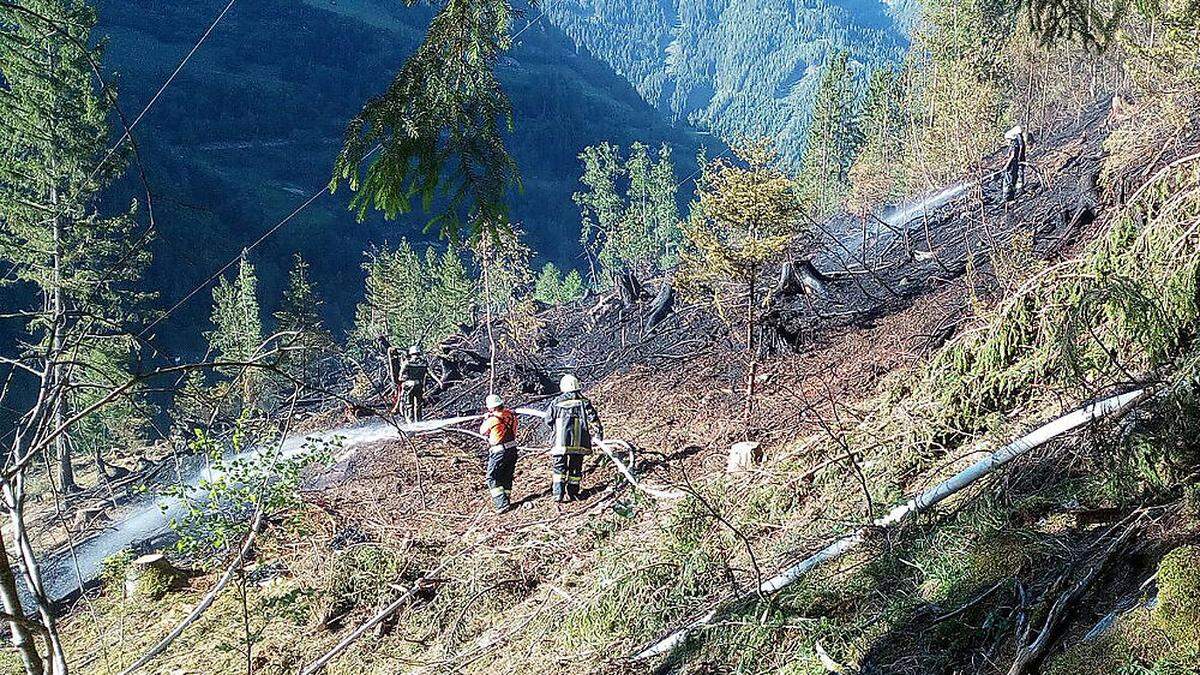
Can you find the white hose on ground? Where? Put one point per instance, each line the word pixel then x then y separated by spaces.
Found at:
pixel 610 446
pixel 912 507
pixel 607 446
pixel 434 425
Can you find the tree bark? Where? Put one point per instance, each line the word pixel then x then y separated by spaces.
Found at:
pixel 752 368
pixel 487 311
pixel 22 640
pixel 14 496
pixel 66 473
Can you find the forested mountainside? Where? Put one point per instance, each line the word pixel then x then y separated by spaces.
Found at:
pixel 249 129
pixel 738 67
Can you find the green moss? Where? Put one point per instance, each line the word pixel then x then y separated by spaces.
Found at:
pixel 153 584
pixel 1178 609
pixel 10 662
pixel 113 568
pixel 1133 644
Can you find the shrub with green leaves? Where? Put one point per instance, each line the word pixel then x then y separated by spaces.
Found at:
pixel 252 472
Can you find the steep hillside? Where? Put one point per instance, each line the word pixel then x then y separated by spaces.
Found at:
pixel 928 348
pixel 250 128
pixel 740 67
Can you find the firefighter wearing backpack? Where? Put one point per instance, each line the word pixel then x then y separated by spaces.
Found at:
pixel 410 394
pixel 500 429
pixel 575 425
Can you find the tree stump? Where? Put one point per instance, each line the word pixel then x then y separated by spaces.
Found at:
pixel 663 303
pixel 151 577
pixel 743 456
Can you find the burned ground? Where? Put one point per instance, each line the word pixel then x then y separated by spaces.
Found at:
pixel 676 390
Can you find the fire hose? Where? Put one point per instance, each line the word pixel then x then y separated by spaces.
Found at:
pixel 611 447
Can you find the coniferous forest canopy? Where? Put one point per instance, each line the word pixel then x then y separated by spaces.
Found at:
pixel 673 336
pixel 249 129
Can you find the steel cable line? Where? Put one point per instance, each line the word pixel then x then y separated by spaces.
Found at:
pixel 263 237
pixel 167 83
pixel 535 19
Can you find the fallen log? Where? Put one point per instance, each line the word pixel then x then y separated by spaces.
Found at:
pixel 1093 411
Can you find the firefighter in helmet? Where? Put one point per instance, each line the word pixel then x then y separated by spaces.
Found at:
pixel 411 393
pixel 500 429
pixel 576 426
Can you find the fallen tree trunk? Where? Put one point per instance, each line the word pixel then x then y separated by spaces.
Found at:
pixel 923 502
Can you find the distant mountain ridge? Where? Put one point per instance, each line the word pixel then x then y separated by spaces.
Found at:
pixel 252 124
pixel 737 67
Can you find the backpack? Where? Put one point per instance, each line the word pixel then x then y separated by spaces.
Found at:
pixel 571 431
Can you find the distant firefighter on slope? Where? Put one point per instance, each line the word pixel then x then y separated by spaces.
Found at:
pixel 410 389
pixel 1014 170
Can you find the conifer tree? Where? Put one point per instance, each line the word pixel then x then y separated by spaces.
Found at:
pixel 637 245
pixel 602 208
pixel 456 292
pixel 299 319
pixel 194 406
pixel 52 170
pixel 121 423
pixel 877 173
pixel 237 327
pixel 506 259
pixel 55 244
pixel 572 288
pixel 414 300
pixel 744 218
pixel 833 138
pixel 955 91
pixel 439 127
pixel 548 288
pixel 395 297
pixel 629 214
pixel 664 209
pixel 503 262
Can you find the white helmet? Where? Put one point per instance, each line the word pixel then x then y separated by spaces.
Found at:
pixel 569 383
pixel 1014 132
pixel 414 350
pixel 493 401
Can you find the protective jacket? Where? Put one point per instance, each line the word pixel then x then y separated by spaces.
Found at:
pixel 412 373
pixel 395 364
pixel 500 428
pixel 575 423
